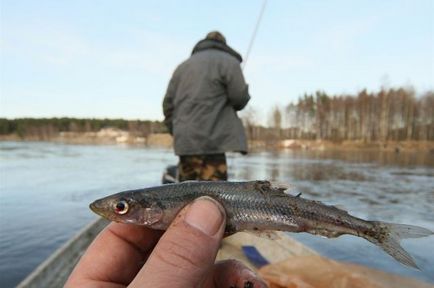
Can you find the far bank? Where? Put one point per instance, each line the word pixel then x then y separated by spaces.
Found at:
pixel 111 136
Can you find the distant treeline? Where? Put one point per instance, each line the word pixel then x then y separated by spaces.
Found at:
pixel 390 114
pixel 47 127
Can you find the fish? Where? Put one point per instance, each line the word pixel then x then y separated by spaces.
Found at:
pixel 255 206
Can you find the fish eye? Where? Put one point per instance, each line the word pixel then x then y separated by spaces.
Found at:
pixel 121 207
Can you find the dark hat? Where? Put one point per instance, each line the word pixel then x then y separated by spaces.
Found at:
pixel 216 35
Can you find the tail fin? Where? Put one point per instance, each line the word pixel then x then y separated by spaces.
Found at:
pixel 388 236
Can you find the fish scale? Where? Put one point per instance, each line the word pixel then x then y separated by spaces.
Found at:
pixel 254 206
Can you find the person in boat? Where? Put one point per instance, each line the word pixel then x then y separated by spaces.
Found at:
pixel 200 109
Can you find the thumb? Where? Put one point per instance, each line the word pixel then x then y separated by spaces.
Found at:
pixel 187 250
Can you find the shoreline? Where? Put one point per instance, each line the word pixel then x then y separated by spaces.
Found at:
pixel 110 136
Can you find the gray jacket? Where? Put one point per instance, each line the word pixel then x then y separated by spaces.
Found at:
pixel 202 99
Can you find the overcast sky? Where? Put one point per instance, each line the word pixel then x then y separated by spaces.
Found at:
pixel 88 58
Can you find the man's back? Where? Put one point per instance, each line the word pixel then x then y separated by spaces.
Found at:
pixel 203 75
pixel 201 103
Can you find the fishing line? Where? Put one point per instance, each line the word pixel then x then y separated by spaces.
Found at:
pixel 252 40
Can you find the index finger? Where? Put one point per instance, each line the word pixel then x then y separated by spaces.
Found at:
pixel 116 255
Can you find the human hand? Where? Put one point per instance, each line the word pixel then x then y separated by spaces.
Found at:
pixel 127 255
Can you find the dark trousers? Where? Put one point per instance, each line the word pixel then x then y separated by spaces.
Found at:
pixel 211 167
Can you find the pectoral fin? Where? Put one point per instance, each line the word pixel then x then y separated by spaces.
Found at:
pixel 267 234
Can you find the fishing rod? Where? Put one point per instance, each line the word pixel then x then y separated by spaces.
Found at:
pixel 255 31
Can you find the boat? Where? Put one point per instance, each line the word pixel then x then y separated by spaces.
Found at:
pixel 290 264
pixel 282 262
pixel 55 270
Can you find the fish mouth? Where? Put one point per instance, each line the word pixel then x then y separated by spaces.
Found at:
pixel 97 208
pixel 92 207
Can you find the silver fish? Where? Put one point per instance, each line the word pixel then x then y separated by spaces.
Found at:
pixel 255 206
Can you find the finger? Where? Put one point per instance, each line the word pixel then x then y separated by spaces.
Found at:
pixel 187 251
pixel 233 273
pixel 116 255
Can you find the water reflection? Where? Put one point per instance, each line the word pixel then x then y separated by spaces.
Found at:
pixel 320 172
pixel 273 172
pixel 379 157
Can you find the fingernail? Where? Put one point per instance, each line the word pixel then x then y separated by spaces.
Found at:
pixel 205 215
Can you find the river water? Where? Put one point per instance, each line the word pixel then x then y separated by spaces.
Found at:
pixel 45 189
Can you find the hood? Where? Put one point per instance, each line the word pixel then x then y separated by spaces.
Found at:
pixel 213 44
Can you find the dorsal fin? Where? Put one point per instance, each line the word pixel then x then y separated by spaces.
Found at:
pixel 283 187
pixel 272 188
pixel 286 188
